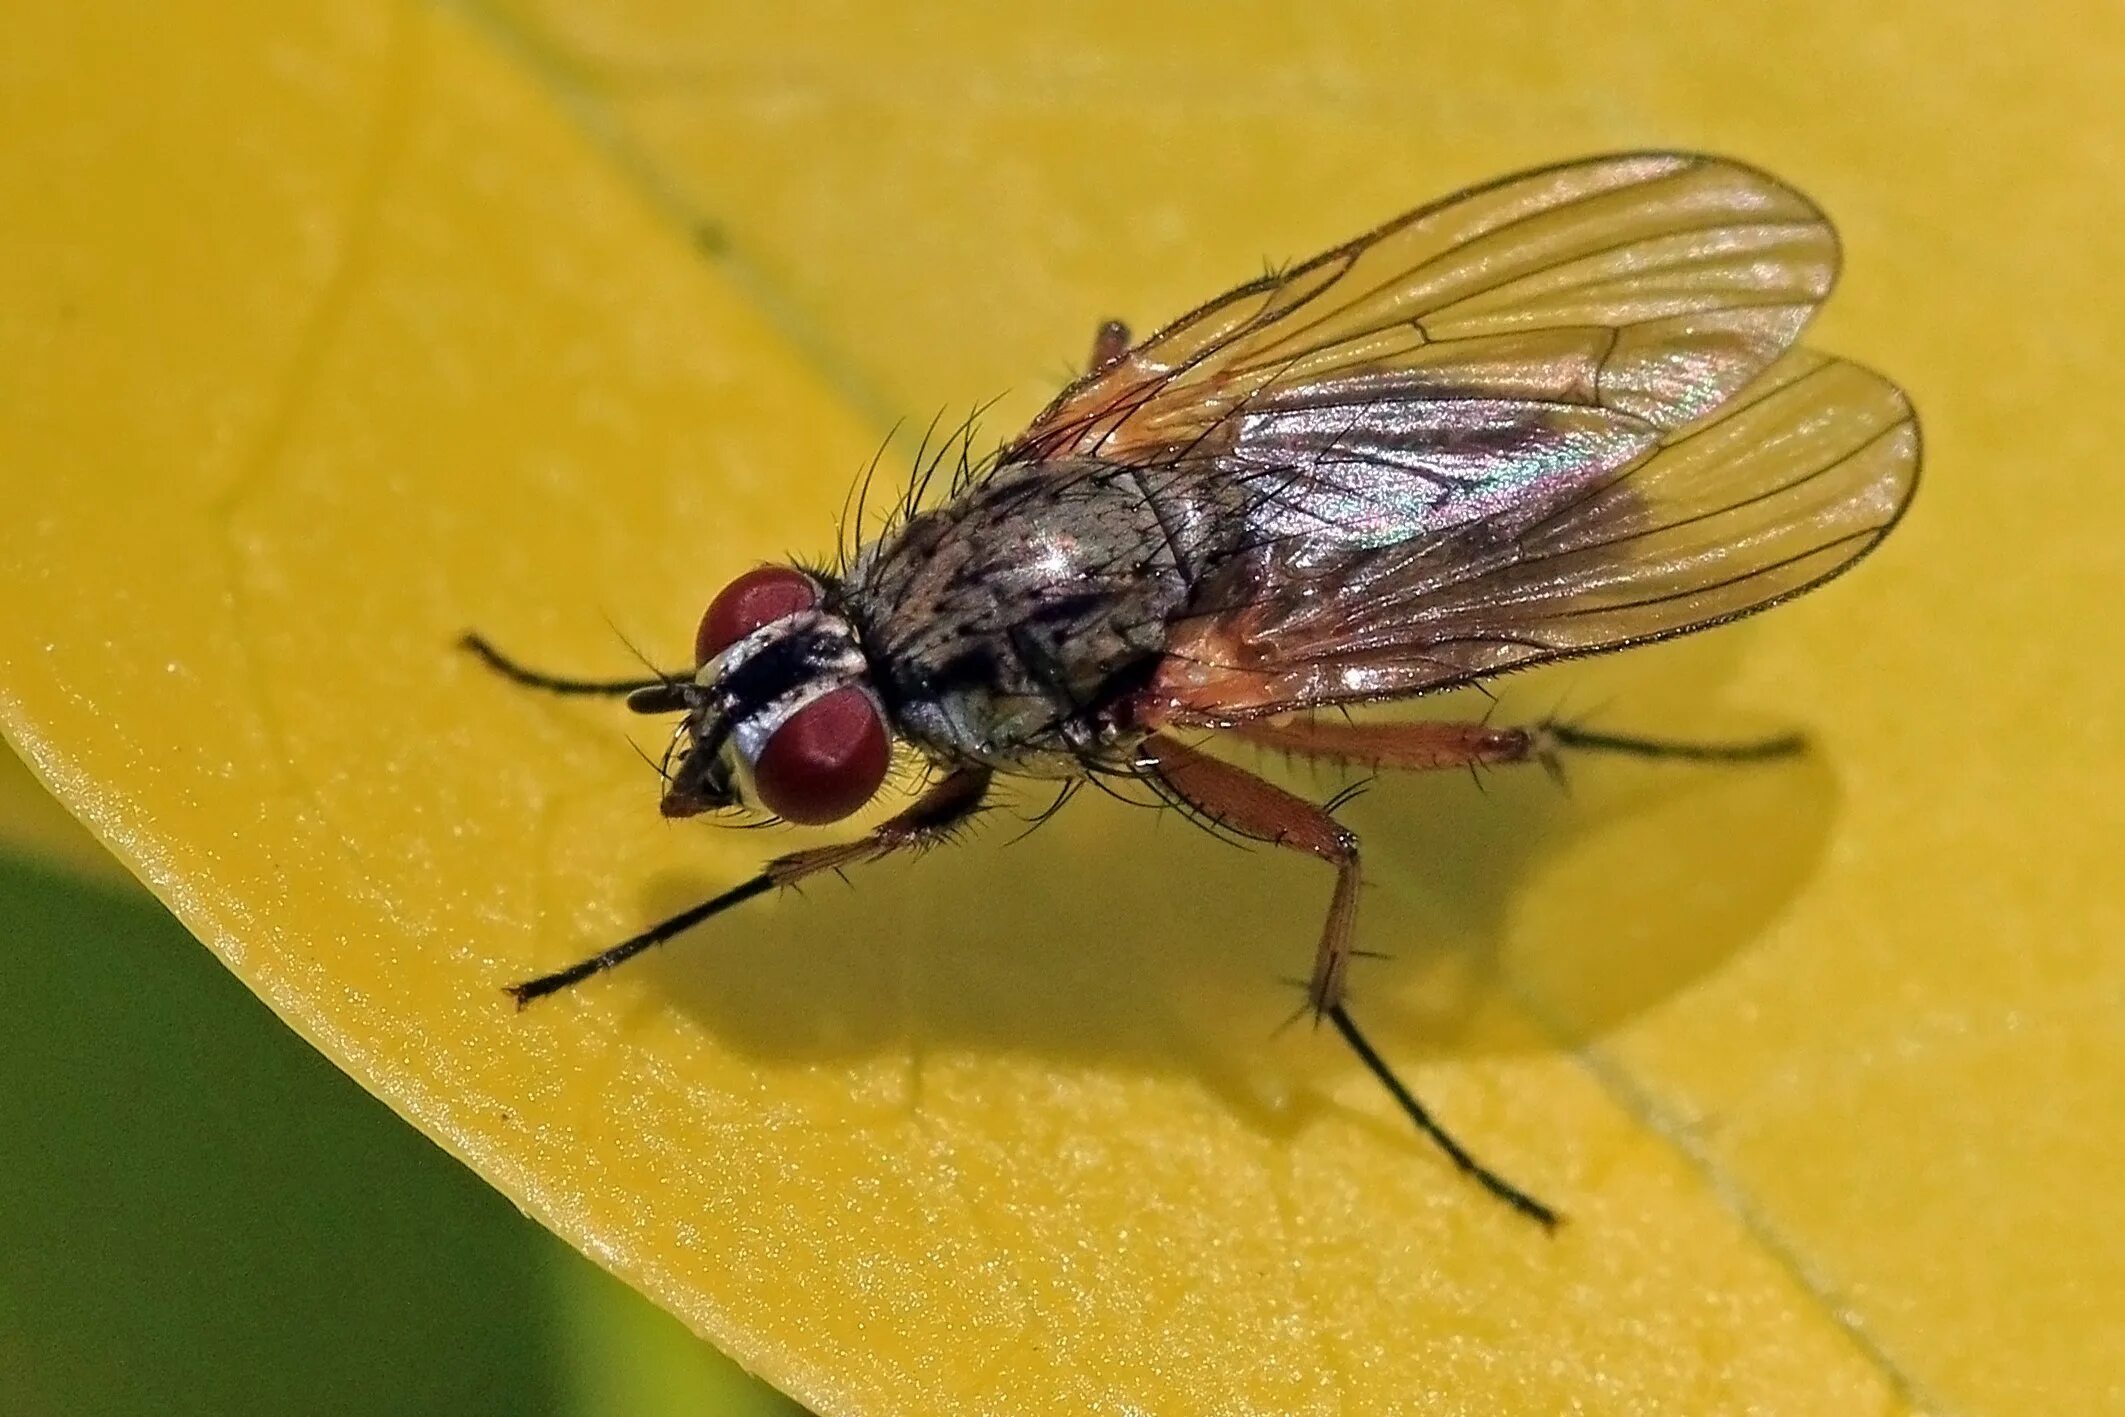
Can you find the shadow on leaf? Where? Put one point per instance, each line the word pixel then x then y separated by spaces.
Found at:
pixel 1125 939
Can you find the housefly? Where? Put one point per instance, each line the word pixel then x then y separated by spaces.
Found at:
pixel 1556 415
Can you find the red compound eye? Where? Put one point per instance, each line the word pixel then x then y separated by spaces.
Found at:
pixel 758 597
pixel 826 760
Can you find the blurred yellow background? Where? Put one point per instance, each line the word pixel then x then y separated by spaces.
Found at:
pixel 328 331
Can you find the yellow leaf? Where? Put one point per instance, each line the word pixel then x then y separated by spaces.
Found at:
pixel 331 330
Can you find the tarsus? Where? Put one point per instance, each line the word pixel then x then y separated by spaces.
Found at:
pixel 627 949
pixel 1490 1180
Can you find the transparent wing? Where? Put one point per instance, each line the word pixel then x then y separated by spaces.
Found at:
pixel 1799 477
pixel 1645 288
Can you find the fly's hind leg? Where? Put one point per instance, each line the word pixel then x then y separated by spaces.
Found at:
pixel 1411 747
pixel 1236 799
pixel 1424 746
pixel 1586 740
pixel 1109 343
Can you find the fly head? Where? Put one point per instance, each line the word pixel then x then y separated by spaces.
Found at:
pixel 780 712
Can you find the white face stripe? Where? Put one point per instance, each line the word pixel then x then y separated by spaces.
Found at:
pixel 741 650
pixel 749 738
pixel 844 667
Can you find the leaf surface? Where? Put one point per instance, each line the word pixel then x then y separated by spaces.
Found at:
pixel 331 331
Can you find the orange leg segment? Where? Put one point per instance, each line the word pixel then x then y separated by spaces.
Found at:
pixel 1426 746
pixel 1416 747
pixel 1235 798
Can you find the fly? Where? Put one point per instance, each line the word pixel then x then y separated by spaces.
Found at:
pixel 1556 415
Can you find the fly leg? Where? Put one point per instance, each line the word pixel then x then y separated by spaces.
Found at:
pixel 1429 745
pixel 1586 740
pixel 948 803
pixel 1235 798
pixel 1416 747
pixel 658 695
pixel 1109 343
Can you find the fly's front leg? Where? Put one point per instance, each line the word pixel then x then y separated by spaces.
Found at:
pixel 659 695
pixel 1424 746
pixel 1235 798
pixel 950 801
pixel 1109 343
